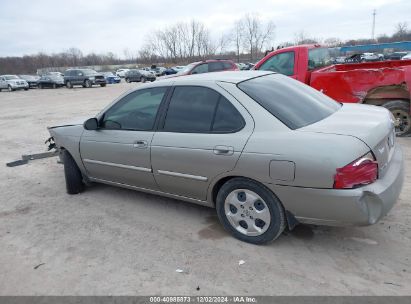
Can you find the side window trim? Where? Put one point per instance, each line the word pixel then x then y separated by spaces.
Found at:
pixel 158 115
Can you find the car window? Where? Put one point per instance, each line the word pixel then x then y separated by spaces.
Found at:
pixel 227 65
pixel 136 111
pixel 227 119
pixel 294 103
pixel 215 66
pixel 195 109
pixel 191 110
pixel 202 68
pixel 282 63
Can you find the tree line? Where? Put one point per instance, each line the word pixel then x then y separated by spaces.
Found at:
pixel 185 42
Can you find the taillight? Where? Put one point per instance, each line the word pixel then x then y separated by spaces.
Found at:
pixel 362 171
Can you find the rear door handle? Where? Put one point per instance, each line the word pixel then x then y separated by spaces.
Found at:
pixel 140 144
pixel 223 150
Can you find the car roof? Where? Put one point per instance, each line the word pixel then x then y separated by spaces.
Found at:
pixel 223 76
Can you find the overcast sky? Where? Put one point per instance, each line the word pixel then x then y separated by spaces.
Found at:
pixel 49 26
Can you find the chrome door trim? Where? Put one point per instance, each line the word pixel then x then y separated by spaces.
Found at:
pixel 183 175
pixel 166 194
pixel 142 169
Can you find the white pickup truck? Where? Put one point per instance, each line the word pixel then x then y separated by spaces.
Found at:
pixel 12 83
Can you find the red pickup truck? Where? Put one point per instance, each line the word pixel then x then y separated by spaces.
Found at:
pixel 385 83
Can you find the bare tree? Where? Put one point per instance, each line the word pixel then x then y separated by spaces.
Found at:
pixel 256 33
pixel 402 32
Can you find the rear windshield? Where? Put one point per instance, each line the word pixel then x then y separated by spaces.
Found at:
pixel 292 102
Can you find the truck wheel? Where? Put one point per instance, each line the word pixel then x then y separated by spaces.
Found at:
pixel 10 88
pixel 250 211
pixel 87 83
pixel 400 109
pixel 69 85
pixel 74 179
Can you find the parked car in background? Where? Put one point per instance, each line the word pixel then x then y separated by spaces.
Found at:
pixel 407 57
pixel 382 83
pixel 355 58
pixel 31 80
pixel 339 59
pixel 111 78
pixel 395 55
pixel 121 72
pixel 135 75
pixel 12 83
pixel 84 77
pixel 54 74
pixel 206 66
pixel 369 57
pixel 173 70
pixel 50 81
pixel 250 144
pixel 160 71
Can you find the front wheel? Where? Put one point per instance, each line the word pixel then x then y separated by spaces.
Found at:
pixel 400 109
pixel 87 83
pixel 10 88
pixel 72 173
pixel 128 80
pixel 54 86
pixel 250 211
pixel 143 79
pixel 102 84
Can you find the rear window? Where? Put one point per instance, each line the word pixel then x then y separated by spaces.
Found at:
pixel 293 103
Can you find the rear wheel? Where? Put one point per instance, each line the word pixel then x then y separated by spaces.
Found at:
pixel 74 179
pixel 400 109
pixel 250 211
pixel 54 86
pixel 69 85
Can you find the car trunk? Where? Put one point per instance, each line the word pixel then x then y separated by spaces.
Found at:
pixel 370 124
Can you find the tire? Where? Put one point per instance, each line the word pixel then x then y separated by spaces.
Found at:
pixel 87 83
pixel 143 79
pixel 102 85
pixel 400 109
pixel 40 86
pixel 127 80
pixel 257 206
pixel 54 86
pixel 10 88
pixel 74 179
pixel 26 89
pixel 69 85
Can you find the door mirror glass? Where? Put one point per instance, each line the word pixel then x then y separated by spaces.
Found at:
pixel 91 124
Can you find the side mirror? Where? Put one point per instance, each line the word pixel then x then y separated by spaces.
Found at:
pixel 91 124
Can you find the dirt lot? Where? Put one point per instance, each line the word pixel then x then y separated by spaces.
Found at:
pixel 119 242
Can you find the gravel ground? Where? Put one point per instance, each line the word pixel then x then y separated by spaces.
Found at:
pixel 120 242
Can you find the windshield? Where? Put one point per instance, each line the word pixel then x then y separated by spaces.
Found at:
pixel 318 58
pixel 293 103
pixel 187 68
pixel 10 77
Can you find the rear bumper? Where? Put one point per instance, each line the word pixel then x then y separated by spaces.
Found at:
pixel 362 206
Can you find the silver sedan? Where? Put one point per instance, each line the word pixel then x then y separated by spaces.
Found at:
pixel 265 150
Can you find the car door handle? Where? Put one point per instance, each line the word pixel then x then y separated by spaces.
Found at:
pixel 223 150
pixel 140 144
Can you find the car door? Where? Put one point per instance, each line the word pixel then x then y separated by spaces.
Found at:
pixel 119 150
pixel 201 136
